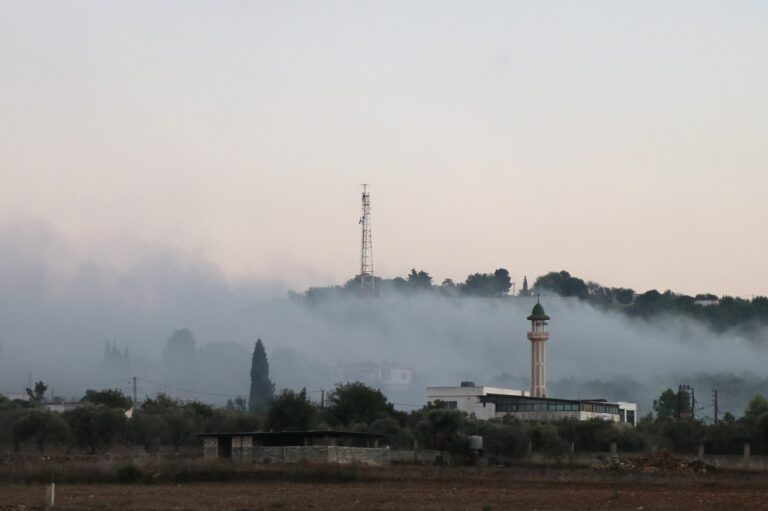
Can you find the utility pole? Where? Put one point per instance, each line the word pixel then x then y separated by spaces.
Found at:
pixel 134 393
pixel 366 247
pixel 714 403
pixel 322 399
pixel 693 403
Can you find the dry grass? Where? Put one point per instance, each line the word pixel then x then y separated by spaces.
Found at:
pixel 497 491
pixel 185 469
pixel 122 482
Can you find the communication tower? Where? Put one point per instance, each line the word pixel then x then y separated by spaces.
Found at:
pixel 366 248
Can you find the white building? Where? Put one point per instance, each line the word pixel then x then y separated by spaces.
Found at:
pixel 493 403
pixel 469 398
pixel 388 373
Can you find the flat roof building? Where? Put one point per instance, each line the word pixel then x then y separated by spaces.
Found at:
pixel 493 402
pixel 296 446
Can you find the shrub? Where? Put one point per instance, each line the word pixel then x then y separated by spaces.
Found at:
pixel 129 473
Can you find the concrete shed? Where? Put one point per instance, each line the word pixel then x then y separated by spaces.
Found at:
pixel 296 446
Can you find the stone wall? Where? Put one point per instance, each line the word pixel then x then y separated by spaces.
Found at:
pixel 425 456
pixel 310 454
pixel 243 451
pixel 210 447
pixel 737 462
pixel 586 459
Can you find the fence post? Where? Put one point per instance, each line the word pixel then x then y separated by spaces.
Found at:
pixel 614 449
pixel 50 496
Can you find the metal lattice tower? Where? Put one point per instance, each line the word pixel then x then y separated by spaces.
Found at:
pixel 366 248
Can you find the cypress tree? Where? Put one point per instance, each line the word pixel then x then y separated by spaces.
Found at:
pixel 262 388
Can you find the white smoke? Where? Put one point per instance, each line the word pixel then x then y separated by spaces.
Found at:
pixel 53 324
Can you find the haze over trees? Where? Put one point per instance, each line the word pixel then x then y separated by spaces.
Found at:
pixel 179 356
pixel 719 313
pixel 494 284
pixel 475 324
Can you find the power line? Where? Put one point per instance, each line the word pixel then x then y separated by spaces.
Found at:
pixel 191 391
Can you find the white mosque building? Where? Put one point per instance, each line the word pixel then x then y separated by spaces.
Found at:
pixel 493 402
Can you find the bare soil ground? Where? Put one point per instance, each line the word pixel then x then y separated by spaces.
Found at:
pixel 403 488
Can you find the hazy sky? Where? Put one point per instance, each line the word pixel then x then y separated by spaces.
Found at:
pixel 623 141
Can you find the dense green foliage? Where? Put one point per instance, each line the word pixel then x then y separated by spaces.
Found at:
pixel 101 422
pixel 291 411
pixel 163 422
pixel 262 388
pixel 39 425
pixel 494 284
pixel 673 404
pixel 356 403
pixel 95 427
pixel 111 398
pixel 37 394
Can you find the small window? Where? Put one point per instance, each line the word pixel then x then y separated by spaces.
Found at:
pixel 451 404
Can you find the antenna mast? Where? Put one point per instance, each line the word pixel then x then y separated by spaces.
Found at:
pixel 366 248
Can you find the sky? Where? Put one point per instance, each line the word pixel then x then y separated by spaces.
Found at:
pixel 622 141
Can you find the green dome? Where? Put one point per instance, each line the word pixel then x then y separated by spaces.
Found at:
pixel 538 313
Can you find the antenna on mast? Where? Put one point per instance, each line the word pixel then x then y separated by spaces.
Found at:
pixel 366 248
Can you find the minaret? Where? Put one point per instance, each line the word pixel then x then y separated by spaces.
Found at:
pixel 538 336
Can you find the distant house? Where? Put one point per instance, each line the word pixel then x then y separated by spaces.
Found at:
pixel 396 374
pixel 388 373
pixel 62 406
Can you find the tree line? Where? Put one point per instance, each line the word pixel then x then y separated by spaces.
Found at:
pixel 719 312
pixel 100 423
pixel 495 284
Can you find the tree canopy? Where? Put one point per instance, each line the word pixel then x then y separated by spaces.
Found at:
pixel 113 398
pixel 262 388
pixel 291 411
pixel 352 403
pixel 37 394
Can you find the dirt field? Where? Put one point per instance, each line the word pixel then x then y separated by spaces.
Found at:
pixel 431 490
